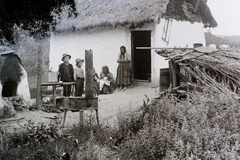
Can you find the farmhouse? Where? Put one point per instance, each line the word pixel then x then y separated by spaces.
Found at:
pixel 105 25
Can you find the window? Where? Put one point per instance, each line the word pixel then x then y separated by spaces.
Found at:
pixel 167 30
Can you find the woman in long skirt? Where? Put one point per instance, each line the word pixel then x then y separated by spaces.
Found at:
pixel 124 69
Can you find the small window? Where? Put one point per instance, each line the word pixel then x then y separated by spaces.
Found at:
pixel 167 30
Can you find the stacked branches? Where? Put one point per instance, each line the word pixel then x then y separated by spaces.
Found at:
pixel 216 69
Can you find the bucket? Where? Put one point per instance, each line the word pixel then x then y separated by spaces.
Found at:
pixel 52 76
pixel 195 45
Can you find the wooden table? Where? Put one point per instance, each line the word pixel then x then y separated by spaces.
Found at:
pixel 54 87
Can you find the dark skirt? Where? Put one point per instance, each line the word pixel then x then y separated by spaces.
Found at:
pixel 124 76
pixel 107 89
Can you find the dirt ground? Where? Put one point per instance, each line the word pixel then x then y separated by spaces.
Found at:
pixel 109 106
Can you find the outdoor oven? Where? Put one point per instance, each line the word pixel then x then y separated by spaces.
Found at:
pixel 13 82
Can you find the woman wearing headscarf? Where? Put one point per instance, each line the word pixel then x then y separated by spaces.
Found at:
pixel 106 81
pixel 124 69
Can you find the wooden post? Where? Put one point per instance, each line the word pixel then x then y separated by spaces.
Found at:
pixel 81 118
pixel 88 102
pixel 88 71
pixel 54 95
pixel 39 78
pixel 170 74
pixel 173 73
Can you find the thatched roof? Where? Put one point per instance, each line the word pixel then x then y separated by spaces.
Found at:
pixel 189 10
pixel 98 13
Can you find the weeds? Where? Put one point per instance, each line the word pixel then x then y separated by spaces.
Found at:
pixel 202 126
pixel 41 141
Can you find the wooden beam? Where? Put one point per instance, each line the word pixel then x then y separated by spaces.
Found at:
pixel 89 92
pixel 170 74
pixel 11 119
pixel 172 69
pixel 196 6
pixel 182 76
pixel 163 48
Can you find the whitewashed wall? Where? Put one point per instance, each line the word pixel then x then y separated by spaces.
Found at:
pixel 182 34
pixel 105 44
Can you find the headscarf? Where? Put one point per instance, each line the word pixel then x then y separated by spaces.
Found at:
pixel 105 67
pixel 123 54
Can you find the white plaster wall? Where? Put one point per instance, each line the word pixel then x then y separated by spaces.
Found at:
pixel 105 44
pixel 182 34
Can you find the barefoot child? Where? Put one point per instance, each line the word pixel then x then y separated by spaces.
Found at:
pixel 65 73
pixel 79 77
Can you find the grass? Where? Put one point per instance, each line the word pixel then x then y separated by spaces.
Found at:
pixel 202 126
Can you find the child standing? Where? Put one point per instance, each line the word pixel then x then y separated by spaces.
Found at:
pixel 79 77
pixel 65 73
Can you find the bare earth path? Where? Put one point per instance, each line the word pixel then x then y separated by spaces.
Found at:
pixel 109 106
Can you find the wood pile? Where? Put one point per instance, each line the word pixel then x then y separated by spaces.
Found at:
pixel 217 69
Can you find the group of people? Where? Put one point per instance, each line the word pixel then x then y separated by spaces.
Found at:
pixel 102 84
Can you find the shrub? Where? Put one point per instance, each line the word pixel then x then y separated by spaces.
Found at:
pixel 48 141
pixel 204 126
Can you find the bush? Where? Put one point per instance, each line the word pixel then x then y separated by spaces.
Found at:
pixel 41 141
pixel 204 126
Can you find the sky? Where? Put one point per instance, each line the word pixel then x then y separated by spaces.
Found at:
pixel 227 15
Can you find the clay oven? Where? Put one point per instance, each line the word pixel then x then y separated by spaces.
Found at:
pixel 13 77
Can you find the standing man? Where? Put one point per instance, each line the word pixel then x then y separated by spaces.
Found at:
pixel 65 74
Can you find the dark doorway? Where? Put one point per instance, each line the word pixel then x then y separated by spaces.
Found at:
pixel 9 89
pixel 11 74
pixel 141 57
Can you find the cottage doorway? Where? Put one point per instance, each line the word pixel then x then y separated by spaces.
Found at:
pixel 141 58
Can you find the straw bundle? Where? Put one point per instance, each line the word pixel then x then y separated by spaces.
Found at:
pixel 219 70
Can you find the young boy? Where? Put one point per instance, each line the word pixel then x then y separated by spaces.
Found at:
pixel 65 74
pixel 79 77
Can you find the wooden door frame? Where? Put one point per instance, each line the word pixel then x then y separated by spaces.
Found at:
pixel 132 49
